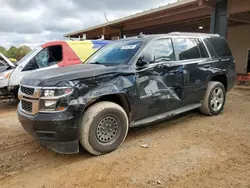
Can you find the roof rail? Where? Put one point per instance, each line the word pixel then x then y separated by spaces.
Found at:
pixel 141 34
pixel 193 34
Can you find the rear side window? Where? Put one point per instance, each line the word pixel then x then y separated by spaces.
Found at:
pixel 203 50
pixel 220 46
pixel 186 49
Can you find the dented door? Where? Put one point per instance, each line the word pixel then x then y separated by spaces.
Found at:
pixel 195 60
pixel 160 84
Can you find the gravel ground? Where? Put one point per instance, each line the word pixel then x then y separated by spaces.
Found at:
pixel 191 150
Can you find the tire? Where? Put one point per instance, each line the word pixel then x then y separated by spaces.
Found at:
pixel 208 106
pixel 103 128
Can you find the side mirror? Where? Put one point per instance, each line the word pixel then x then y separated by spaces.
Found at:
pixel 145 59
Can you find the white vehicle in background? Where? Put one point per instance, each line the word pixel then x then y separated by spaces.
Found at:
pixel 5 63
pixel 49 55
pixel 6 68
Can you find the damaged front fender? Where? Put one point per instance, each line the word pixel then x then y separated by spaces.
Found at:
pixel 90 90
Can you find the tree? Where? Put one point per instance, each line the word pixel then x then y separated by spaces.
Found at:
pixel 16 53
pixel 22 51
pixel 3 51
pixel 12 52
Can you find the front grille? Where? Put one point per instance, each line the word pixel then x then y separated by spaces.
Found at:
pixel 27 90
pixel 26 106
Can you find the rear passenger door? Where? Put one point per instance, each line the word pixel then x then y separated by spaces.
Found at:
pixel 193 56
pixel 159 84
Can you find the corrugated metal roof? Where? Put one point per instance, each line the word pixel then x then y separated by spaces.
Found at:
pixel 169 6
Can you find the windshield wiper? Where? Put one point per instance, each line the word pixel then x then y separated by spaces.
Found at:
pixel 98 63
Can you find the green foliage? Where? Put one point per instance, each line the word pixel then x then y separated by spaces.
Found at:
pixel 16 53
pixel 3 51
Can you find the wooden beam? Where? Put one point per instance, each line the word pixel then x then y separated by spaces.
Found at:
pixel 174 18
pixel 242 17
pixel 207 3
pixel 180 26
pixel 161 14
pixel 197 21
pixel 238 6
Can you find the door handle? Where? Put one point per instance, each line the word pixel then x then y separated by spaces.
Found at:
pixel 174 71
pixel 225 59
pixel 207 66
pixel 165 65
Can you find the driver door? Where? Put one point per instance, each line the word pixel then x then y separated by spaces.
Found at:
pixel 160 83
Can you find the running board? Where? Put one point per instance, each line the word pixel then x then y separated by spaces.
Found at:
pixel 164 115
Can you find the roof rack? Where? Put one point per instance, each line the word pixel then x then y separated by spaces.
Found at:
pixel 193 34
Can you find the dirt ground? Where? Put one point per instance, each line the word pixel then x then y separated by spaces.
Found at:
pixel 191 150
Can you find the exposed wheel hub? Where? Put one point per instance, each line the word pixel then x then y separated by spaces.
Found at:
pixel 107 129
pixel 217 99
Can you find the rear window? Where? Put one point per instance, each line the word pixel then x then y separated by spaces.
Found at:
pixel 220 46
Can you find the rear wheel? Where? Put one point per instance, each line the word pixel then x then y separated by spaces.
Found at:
pixel 104 127
pixel 214 99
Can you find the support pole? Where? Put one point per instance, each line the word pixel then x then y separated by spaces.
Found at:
pixel 219 18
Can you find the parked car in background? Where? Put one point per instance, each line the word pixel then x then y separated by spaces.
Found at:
pixel 47 56
pixel 128 83
pixel 5 63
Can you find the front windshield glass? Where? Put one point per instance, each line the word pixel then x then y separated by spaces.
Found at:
pixel 119 52
pixel 27 55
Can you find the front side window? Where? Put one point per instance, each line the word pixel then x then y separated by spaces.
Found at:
pixel 162 49
pixel 119 52
pixel 42 58
pixel 186 48
pixel 49 56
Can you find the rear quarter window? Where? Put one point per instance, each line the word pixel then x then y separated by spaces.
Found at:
pixel 220 46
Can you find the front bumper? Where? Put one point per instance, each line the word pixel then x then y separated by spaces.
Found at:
pixel 57 131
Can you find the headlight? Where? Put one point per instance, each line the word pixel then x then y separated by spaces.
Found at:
pixel 4 76
pixel 55 93
pixel 7 75
pixel 52 99
pixel 48 105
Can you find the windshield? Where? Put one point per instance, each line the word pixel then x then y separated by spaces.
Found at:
pixel 28 55
pixel 119 52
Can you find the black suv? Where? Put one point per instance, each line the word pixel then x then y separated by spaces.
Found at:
pixel 129 82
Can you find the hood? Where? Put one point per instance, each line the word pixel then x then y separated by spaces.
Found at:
pixel 8 63
pixel 51 77
pixel 3 68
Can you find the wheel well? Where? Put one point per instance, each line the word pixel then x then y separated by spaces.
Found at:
pixel 119 99
pixel 222 78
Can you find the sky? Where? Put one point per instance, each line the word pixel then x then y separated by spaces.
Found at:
pixel 34 22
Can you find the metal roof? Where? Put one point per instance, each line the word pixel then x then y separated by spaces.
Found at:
pixel 169 6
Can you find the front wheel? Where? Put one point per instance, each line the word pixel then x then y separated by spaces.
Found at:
pixel 214 99
pixel 104 127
